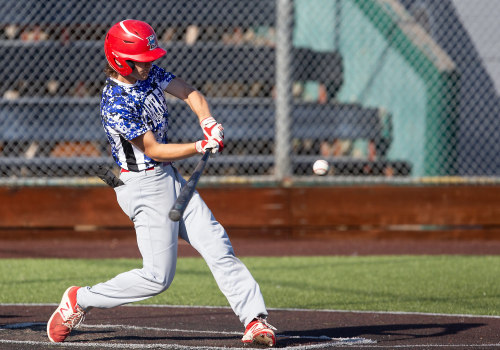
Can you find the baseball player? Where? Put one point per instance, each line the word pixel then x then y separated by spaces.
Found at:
pixel 135 117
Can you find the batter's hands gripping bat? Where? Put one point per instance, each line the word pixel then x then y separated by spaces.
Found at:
pixel 187 191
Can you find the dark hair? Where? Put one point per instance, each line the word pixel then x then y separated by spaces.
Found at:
pixel 109 71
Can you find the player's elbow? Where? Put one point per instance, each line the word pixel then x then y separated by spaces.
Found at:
pixel 148 145
pixel 156 159
pixel 153 154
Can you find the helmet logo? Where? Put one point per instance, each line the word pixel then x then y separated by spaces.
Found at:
pixel 152 42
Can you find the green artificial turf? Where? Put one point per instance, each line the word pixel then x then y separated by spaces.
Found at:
pixel 436 284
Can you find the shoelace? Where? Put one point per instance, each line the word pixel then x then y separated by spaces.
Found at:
pixel 75 319
pixel 267 324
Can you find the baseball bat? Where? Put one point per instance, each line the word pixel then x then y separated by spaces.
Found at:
pixel 187 191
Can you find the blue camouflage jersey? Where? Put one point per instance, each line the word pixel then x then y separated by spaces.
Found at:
pixel 128 111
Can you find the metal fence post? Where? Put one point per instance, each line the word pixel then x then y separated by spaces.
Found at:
pixel 282 150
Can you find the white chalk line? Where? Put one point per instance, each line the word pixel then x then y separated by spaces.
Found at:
pixel 114 346
pixel 301 347
pixel 325 340
pixel 283 309
pixel 167 330
pixel 278 335
pixel 23 325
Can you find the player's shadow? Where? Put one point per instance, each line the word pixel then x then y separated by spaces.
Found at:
pixel 113 336
pixel 79 333
pixel 396 331
pixel 23 326
pixel 176 338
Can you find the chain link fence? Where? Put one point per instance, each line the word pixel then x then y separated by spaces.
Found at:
pixel 384 90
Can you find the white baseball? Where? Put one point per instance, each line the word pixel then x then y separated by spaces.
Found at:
pixel 320 167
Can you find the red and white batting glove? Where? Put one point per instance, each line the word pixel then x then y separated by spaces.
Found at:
pixel 213 130
pixel 203 145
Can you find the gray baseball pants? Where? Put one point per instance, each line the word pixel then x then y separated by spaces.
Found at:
pixel 146 198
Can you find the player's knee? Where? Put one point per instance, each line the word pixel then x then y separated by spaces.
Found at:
pixel 159 282
pixel 163 286
pixel 160 285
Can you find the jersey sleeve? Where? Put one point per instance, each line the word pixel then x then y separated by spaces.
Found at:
pixel 162 76
pixel 127 124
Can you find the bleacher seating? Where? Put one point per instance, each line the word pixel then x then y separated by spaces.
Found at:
pixel 248 121
pixel 198 64
pixel 159 14
pixel 248 117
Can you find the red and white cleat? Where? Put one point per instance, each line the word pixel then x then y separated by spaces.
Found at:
pixel 259 332
pixel 67 316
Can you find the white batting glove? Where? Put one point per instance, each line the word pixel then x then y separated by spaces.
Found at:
pixel 203 145
pixel 213 130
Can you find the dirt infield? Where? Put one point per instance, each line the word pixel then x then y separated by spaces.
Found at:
pixel 133 327
pixel 170 327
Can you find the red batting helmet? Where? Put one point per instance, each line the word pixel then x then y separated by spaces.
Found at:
pixel 131 40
